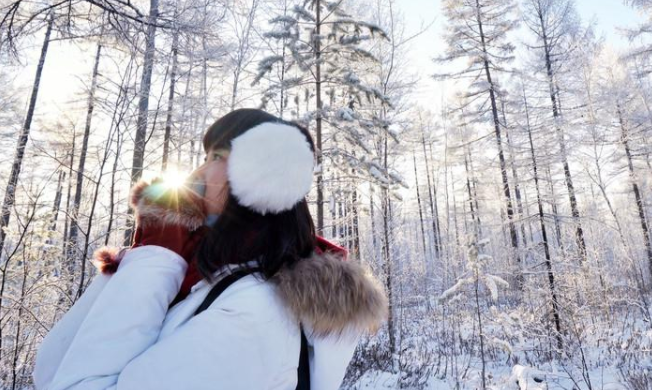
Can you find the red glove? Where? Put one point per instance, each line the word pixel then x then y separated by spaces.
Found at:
pixel 169 217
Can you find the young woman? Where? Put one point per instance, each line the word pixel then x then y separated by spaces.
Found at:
pixel 146 322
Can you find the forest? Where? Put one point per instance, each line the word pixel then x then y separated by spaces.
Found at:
pixel 501 191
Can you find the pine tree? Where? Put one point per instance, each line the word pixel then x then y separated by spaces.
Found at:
pixel 555 24
pixel 322 47
pixel 478 33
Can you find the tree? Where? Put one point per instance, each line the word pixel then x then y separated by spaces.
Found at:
pixel 642 50
pixel 81 165
pixel 143 100
pixel 476 276
pixel 324 45
pixel 10 190
pixel 542 224
pixel 555 24
pixel 478 33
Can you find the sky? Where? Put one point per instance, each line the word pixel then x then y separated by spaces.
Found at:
pixel 64 73
pixel 609 16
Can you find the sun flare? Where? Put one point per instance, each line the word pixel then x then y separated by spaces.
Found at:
pixel 172 178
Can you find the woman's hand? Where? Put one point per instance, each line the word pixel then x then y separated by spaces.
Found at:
pixel 171 217
pixel 166 216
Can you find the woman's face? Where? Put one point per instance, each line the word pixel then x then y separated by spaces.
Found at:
pixel 213 173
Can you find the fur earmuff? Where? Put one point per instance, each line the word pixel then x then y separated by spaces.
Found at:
pixel 270 167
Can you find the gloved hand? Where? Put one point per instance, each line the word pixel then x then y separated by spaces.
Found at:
pixel 165 216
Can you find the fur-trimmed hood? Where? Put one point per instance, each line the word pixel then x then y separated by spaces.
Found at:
pixel 331 295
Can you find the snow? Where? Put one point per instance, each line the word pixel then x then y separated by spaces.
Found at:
pixel 346 114
pixel 378 175
pixel 456 289
pixel 528 378
pixel 284 19
pixel 303 13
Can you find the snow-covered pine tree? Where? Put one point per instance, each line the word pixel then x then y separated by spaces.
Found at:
pixel 321 47
pixel 557 31
pixel 643 50
pixel 477 33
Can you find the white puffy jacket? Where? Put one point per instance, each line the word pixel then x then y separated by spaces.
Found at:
pixel 120 334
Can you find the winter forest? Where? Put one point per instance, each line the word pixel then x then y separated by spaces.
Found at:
pixel 501 189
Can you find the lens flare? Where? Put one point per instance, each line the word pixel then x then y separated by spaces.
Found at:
pixel 173 178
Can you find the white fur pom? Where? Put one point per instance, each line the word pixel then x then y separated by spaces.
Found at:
pixel 270 167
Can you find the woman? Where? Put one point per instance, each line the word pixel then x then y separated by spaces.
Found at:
pixel 135 326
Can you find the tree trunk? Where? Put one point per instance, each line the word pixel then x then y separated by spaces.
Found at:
pixel 423 231
pixel 501 155
pixel 475 217
pixel 71 162
pixel 19 315
pixel 517 189
pixel 432 197
pixel 544 234
pixel 318 121
pixel 356 225
pixel 91 214
pixel 556 113
pixel 387 255
pixel 143 105
pixel 479 317
pixel 168 118
pixel 10 191
pixel 119 111
pixel 555 211
pixel 58 195
pixel 76 203
pixel 624 139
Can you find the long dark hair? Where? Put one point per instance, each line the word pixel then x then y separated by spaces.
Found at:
pixel 242 234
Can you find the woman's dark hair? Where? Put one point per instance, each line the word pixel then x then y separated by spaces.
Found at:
pixel 242 234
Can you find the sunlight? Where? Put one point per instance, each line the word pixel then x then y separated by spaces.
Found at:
pixel 172 178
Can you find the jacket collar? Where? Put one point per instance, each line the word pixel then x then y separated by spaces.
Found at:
pixel 331 295
pixel 326 292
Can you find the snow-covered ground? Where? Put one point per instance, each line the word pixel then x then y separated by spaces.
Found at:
pixel 441 351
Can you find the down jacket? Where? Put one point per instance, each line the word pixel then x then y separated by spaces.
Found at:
pixel 121 335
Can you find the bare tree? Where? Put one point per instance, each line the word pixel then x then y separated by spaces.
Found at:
pixel 10 190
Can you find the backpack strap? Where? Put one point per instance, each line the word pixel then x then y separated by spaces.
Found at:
pixel 222 285
pixel 303 371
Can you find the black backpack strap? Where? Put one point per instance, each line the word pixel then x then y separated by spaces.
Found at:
pixel 222 285
pixel 303 371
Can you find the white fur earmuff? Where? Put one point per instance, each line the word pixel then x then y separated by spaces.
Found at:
pixel 270 167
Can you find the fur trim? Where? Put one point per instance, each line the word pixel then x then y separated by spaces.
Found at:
pixel 332 295
pixel 154 203
pixel 107 259
pixel 270 167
